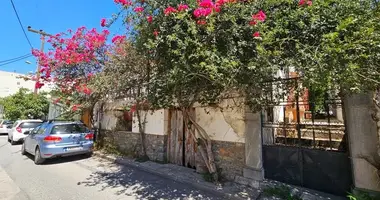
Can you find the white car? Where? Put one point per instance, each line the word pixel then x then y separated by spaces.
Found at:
pixel 17 133
pixel 5 126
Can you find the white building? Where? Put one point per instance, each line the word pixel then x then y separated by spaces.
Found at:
pixel 11 82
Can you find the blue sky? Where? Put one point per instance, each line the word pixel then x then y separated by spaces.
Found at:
pixel 52 16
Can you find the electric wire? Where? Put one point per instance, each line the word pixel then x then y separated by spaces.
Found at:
pixel 2 64
pixel 22 27
pixel 19 57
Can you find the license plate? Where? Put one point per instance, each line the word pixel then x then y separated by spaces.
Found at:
pixel 73 148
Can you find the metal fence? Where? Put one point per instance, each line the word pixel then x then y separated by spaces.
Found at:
pixel 304 140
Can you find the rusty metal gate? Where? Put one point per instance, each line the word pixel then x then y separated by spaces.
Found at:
pixel 304 140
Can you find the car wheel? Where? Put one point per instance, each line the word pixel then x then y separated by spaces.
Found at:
pixel 37 157
pixel 23 152
pixel 88 155
pixel 13 142
pixel 9 140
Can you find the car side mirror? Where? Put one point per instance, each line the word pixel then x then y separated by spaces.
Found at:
pixel 9 127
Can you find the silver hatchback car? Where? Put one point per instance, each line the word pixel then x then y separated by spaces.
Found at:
pixel 57 139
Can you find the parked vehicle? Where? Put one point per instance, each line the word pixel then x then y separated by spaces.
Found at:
pixel 58 139
pixel 17 133
pixel 5 126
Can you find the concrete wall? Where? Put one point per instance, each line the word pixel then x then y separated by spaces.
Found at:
pixel 226 125
pixel 363 140
pixel 223 123
pixel 156 122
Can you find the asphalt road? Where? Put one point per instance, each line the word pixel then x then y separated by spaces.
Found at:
pixel 85 178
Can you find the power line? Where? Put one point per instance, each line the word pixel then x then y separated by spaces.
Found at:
pixel 22 27
pixel 24 56
pixel 16 60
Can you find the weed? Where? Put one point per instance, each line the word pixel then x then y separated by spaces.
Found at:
pixel 359 195
pixel 142 159
pixel 209 177
pixel 282 192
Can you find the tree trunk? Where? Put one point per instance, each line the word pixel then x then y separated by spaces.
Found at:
pixel 141 123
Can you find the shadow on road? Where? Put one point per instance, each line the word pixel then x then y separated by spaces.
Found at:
pixel 140 185
pixel 60 160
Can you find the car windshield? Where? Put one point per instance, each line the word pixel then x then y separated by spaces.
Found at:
pixel 30 124
pixel 69 129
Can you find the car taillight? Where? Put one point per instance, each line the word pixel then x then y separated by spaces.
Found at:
pixel 89 136
pixel 18 129
pixel 51 138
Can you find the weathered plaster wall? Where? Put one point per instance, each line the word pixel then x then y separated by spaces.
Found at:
pixel 156 122
pixel 363 140
pixel 224 122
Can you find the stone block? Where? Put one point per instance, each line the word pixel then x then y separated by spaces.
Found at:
pixel 308 196
pixel 229 158
pixel 255 174
pixel 247 182
pixel 242 180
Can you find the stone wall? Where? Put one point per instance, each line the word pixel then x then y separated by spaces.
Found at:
pixel 129 144
pixel 230 158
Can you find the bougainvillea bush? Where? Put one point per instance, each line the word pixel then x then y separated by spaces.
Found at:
pixel 71 63
pixel 204 51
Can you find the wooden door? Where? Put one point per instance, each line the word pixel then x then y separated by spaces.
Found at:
pixel 181 146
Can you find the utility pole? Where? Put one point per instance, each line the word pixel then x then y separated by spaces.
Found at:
pixel 42 34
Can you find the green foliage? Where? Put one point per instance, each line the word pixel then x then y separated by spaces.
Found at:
pixel 203 63
pixel 334 45
pixel 359 195
pixel 24 105
pixel 282 192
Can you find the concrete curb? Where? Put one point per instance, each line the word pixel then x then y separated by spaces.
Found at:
pixel 8 188
pixel 140 167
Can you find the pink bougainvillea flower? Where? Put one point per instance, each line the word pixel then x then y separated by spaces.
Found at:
pixel 75 107
pixel 169 10
pixel 202 12
pixel 123 2
pixel 217 9
pixel 256 34
pixel 87 90
pixel 260 16
pixel 301 2
pixel 220 2
pixel 206 4
pixel 149 19
pixel 182 7
pixel 38 85
pixel 201 22
pixel 138 9
pixel 252 22
pixel 309 3
pixel 56 100
pixel 155 32
pixel 103 22
pixel 118 39
pixel 198 12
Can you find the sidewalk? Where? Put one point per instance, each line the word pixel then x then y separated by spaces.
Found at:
pixel 8 189
pixel 186 176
